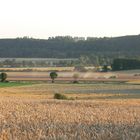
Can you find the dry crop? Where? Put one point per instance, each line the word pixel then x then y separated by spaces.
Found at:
pixel 33 116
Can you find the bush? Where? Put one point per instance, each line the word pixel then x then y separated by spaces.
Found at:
pixel 75 77
pixel 113 77
pixel 60 96
pixel 137 74
pixel 75 82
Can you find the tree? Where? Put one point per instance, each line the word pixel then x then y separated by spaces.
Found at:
pixel 105 68
pixel 125 64
pixel 84 60
pixel 75 77
pixel 3 77
pixel 53 75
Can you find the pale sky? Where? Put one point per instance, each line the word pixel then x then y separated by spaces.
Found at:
pixel 46 18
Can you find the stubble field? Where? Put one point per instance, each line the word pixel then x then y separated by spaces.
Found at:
pixel 82 76
pixel 29 112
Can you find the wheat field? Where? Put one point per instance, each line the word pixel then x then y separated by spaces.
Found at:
pixel 29 115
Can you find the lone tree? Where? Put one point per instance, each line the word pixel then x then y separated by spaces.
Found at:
pixel 105 68
pixel 3 77
pixel 75 77
pixel 53 75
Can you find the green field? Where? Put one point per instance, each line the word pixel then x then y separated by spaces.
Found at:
pixel 13 84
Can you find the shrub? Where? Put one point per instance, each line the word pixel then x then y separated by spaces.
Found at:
pixel 75 77
pixel 60 96
pixel 113 77
pixel 137 74
pixel 75 82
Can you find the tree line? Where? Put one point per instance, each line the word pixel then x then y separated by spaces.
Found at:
pixel 125 64
pixel 91 50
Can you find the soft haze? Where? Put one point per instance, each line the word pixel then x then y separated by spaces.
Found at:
pixel 44 18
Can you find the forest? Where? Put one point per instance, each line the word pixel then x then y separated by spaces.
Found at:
pixel 90 50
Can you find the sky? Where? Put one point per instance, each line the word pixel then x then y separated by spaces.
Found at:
pixel 83 18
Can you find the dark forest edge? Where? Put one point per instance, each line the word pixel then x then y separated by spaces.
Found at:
pixel 89 51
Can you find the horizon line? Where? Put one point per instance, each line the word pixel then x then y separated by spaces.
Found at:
pixel 30 37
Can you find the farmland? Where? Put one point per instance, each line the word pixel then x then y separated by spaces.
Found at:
pixel 14 84
pixel 30 112
pixel 126 76
pixel 99 107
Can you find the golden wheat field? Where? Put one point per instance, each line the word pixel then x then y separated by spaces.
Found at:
pixel 30 112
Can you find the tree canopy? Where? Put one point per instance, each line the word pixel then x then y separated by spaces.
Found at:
pixel 93 50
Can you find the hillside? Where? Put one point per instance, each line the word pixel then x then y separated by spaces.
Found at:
pixel 68 47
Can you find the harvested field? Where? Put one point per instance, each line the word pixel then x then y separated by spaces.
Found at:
pixel 68 76
pixel 76 89
pixel 40 69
